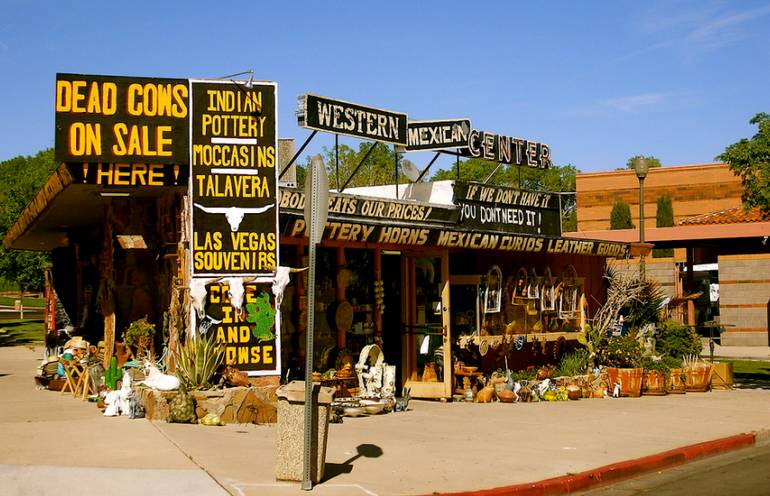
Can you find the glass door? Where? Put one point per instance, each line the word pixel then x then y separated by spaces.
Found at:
pixel 427 358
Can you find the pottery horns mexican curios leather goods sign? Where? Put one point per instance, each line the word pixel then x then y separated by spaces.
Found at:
pixel 340 117
pixel 233 178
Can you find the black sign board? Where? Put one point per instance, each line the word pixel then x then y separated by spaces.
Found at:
pixel 233 178
pixel 437 135
pixel 248 337
pixel 372 208
pixel 499 208
pixel 351 119
pixel 129 175
pixel 427 235
pixel 121 119
pixel 508 150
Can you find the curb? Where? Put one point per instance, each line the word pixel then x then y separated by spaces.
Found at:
pixel 618 471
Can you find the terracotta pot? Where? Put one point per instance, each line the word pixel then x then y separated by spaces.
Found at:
pixel 574 392
pixel 506 396
pixel 675 383
pixel 630 381
pixel 699 378
pixel 654 383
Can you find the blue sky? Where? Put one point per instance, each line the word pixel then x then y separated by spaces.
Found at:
pixel 597 81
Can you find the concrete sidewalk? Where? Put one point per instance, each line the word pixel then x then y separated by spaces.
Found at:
pixel 738 352
pixel 435 447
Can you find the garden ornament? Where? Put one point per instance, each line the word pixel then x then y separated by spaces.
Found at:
pixel 156 379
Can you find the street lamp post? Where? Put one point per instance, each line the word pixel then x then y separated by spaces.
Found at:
pixel 641 167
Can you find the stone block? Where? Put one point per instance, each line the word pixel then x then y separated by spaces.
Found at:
pixel 155 403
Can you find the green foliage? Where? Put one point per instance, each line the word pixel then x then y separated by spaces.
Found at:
pixel 621 351
pixel 21 178
pixel 197 360
pixel 572 364
pixel 652 162
pixel 559 178
pixel 524 375
pixel 750 160
pixel 671 362
pixel 677 340
pixel 139 332
pixel 656 363
pixel 645 309
pixel 620 216
pixel 664 217
pixel 378 169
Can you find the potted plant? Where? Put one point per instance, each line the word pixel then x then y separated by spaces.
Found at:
pixel 623 357
pixel 698 374
pixel 139 336
pixel 676 376
pixel 656 371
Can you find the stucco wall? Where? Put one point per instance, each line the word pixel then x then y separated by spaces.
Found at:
pixel 744 291
pixel 694 190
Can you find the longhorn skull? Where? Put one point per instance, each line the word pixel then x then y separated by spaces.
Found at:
pixel 234 215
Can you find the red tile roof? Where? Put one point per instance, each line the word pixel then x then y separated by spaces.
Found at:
pixel 729 216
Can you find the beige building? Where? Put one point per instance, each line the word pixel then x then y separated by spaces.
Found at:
pixel 720 250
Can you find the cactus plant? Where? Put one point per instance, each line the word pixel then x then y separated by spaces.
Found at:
pixel 197 360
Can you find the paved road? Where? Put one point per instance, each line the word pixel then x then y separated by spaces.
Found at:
pixel 743 472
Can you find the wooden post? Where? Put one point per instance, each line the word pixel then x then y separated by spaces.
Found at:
pixel 377 277
pixel 690 286
pixel 106 298
pixel 340 296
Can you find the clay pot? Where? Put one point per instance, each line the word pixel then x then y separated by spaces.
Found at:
pixel 630 380
pixel 699 378
pixel 654 383
pixel 675 383
pixel 506 396
pixel 574 392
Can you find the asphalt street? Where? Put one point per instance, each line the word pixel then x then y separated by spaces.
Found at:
pixel 745 472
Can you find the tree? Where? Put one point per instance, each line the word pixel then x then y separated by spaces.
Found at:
pixel 558 179
pixel 664 217
pixel 750 160
pixel 620 217
pixel 379 168
pixel 652 162
pixel 21 178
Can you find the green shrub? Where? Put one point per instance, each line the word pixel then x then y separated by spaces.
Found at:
pixel 646 309
pixel 574 363
pixel 621 351
pixel 657 364
pixel 620 216
pixel 677 340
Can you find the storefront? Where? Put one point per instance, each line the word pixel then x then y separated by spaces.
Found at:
pixel 491 294
pixel 167 208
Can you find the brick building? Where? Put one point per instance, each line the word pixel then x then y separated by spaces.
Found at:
pixel 719 247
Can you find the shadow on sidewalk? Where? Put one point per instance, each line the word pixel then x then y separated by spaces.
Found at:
pixel 332 470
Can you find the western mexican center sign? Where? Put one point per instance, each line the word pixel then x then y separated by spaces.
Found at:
pixel 233 178
pixel 340 117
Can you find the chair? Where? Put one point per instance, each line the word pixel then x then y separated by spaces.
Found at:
pixel 74 374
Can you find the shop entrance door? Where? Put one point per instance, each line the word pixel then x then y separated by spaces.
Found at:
pixel 427 369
